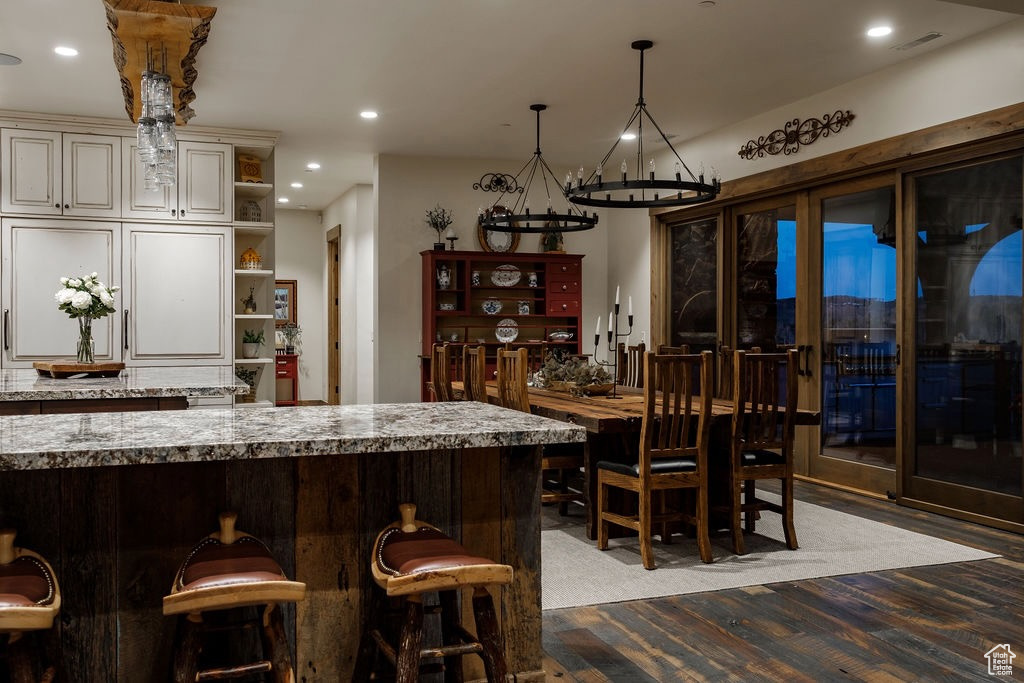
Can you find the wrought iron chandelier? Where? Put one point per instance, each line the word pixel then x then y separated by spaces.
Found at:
pixel 681 190
pixel 519 218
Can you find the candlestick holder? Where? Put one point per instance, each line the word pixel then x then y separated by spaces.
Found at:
pixel 613 350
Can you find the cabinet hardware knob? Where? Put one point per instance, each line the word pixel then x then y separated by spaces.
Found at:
pixel 182 212
pixel 564 307
pixel 174 212
pixel 564 287
pixel 67 206
pixel 57 205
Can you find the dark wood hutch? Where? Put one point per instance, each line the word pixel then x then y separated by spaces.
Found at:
pixel 498 299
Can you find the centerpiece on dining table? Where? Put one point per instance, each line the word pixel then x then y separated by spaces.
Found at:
pixel 579 377
pixel 84 298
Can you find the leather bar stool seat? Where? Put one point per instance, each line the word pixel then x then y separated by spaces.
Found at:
pixel 29 600
pixel 226 570
pixel 411 558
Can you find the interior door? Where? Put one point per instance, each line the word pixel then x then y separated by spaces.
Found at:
pixel 964 442
pixel 851 356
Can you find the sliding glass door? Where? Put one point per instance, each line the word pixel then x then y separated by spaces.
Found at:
pixel 852 334
pixel 964 450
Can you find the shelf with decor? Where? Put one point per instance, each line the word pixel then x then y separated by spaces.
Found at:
pixel 254 271
pixel 500 299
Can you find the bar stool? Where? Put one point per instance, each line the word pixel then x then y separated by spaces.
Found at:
pixel 225 570
pixel 29 600
pixel 410 558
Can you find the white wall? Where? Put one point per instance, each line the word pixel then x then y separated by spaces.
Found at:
pixel 966 78
pixel 406 188
pixel 354 211
pixel 299 255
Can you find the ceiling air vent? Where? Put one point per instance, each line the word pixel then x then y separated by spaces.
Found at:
pixel 926 38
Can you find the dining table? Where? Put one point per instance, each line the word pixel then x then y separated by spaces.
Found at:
pixel 613 427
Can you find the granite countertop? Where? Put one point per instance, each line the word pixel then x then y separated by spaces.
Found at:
pixel 31 442
pixel 196 380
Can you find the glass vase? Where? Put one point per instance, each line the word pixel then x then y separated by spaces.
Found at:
pixel 86 352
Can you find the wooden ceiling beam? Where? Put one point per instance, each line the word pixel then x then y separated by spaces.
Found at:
pixel 142 30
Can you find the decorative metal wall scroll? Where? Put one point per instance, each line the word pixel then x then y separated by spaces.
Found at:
pixel 788 139
pixel 498 182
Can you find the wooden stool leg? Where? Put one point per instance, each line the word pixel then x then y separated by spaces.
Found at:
pixel 19 659
pixel 487 632
pixel 187 645
pixel 410 642
pixel 450 623
pixel 275 644
pixel 751 515
pixel 737 514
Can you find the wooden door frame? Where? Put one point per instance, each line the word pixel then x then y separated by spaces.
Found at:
pixel 333 316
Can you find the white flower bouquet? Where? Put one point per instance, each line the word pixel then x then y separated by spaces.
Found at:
pixel 85 297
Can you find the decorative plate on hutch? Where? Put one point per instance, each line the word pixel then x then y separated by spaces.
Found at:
pixel 506 276
pixel 491 306
pixel 492 240
pixel 506 331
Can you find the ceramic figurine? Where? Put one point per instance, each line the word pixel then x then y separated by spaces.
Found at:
pixel 444 277
pixel 532 279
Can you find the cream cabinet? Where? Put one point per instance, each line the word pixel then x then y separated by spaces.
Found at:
pixel 36 253
pixel 176 301
pixel 53 173
pixel 202 193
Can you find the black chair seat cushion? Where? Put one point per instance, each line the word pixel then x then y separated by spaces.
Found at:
pixel 658 466
pixel 762 458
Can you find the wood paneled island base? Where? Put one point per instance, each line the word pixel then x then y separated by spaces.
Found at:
pixel 315 483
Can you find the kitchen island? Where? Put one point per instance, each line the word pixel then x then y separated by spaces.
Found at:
pixel 26 392
pixel 116 500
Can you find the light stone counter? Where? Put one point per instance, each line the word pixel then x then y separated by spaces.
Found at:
pixel 30 442
pixel 209 380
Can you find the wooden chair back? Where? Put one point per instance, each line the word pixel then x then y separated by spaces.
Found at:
pixel 764 385
pixel 678 425
pixel 513 367
pixel 441 373
pixel 630 365
pixel 474 371
pixel 535 354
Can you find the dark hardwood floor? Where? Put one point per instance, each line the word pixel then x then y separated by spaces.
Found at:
pixel 931 623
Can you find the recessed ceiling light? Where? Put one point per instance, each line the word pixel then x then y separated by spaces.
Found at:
pixel 312 165
pixel 296 185
pixel 64 51
pixel 9 60
pixel 303 206
pixel 879 31
pixel 282 200
pixel 628 136
pixel 368 114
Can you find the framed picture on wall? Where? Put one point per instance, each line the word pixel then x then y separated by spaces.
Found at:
pixel 285 302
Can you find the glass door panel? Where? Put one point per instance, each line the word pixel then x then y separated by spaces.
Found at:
pixel 858 327
pixel 693 290
pixel 968 334
pixel 766 279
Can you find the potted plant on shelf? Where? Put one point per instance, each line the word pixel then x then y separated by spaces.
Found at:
pixel 247 375
pixel 252 340
pixel 439 219
pixel 291 333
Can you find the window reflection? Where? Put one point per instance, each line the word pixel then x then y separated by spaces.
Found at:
pixel 694 285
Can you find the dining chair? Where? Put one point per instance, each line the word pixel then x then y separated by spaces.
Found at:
pixel 630 365
pixel 674 441
pixel 761 445
pixel 558 461
pixel 474 370
pixel 441 373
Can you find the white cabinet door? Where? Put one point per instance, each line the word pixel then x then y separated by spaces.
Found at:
pixel 136 200
pixel 92 175
pixel 31 171
pixel 177 294
pixel 205 182
pixel 36 253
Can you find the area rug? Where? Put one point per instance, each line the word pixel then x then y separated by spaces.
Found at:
pixel 576 573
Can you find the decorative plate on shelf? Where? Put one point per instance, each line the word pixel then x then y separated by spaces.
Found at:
pixel 494 240
pixel 506 276
pixel 506 331
pixel 491 306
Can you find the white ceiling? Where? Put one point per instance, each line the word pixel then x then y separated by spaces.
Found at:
pixel 456 77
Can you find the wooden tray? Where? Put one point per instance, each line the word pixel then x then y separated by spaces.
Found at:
pixel 62 369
